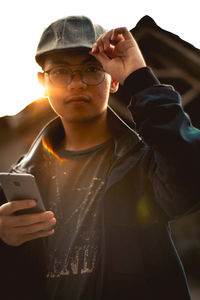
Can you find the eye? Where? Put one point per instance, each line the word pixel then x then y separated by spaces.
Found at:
pixel 93 69
pixel 60 71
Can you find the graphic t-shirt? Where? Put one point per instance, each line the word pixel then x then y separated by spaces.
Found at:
pixel 74 249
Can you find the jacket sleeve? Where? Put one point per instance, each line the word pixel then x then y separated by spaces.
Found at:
pixel 174 142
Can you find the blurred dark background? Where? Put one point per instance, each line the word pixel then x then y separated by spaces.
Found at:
pixel 175 62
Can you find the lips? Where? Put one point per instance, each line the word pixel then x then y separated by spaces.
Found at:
pixel 77 98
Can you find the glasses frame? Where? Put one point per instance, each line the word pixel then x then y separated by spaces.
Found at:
pixel 48 72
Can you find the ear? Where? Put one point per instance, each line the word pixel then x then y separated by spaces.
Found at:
pixel 41 80
pixel 40 76
pixel 114 85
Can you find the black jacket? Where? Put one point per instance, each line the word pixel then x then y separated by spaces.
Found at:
pixel 151 182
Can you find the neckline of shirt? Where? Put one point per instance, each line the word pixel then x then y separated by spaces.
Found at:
pixel 64 152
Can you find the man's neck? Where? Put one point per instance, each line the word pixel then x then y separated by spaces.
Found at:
pixel 84 135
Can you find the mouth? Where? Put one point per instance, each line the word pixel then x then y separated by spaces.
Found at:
pixel 77 99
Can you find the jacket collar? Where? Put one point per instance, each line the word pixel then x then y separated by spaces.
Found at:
pixel 125 139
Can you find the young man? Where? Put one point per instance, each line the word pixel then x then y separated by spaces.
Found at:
pixel 109 192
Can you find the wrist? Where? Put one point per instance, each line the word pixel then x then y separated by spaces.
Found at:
pixel 139 80
pixel 131 71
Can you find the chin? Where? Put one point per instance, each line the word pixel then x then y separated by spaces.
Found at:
pixel 81 119
pixel 76 119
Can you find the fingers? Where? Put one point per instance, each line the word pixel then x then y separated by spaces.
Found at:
pixel 17 229
pixel 28 219
pixel 110 38
pixel 34 228
pixel 102 43
pixel 11 207
pixel 30 237
pixel 119 53
pixel 121 33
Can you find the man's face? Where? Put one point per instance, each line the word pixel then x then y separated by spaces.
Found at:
pixel 77 101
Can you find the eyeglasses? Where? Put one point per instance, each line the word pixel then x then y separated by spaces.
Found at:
pixel 61 76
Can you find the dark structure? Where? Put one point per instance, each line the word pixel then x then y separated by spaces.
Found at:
pixel 174 61
pixel 18 132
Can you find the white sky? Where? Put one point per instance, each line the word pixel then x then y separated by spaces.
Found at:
pixel 22 22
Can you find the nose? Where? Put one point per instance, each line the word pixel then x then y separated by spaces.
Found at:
pixel 76 81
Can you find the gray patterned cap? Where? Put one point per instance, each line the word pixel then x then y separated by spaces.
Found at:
pixel 69 32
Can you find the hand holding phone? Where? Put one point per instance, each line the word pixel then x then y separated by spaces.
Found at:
pixel 34 223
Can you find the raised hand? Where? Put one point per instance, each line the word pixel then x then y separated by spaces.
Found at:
pixel 119 54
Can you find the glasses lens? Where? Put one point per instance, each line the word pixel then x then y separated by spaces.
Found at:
pixel 93 75
pixel 60 76
pixel 90 75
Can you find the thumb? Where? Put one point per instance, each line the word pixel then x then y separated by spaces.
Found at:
pixel 102 58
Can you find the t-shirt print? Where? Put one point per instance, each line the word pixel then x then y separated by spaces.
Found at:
pixel 75 197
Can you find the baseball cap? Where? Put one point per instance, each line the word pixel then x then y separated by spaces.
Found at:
pixel 66 33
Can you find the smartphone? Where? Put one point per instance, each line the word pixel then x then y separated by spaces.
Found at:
pixel 22 187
